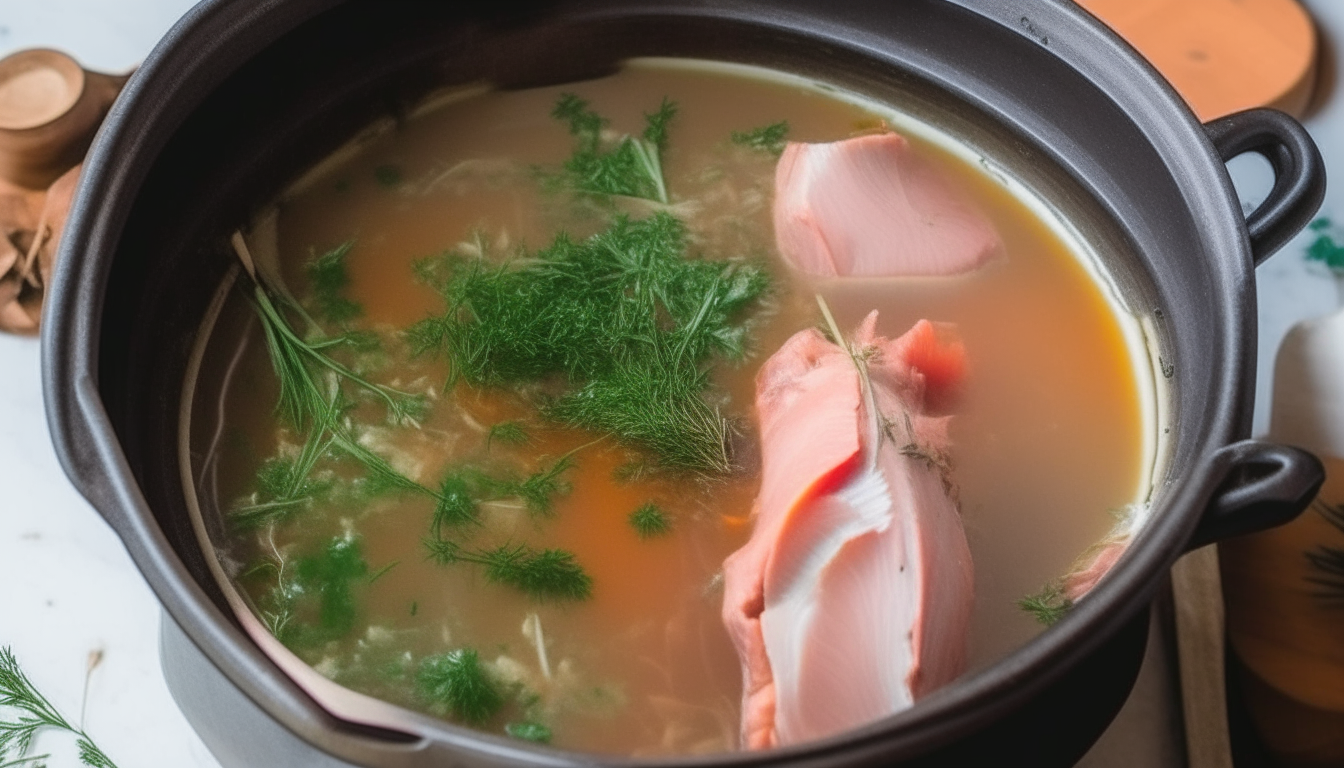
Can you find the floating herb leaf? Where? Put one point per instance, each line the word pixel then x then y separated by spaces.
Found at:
pixel 328 575
pixel 32 713
pixel 548 574
pixel 328 279
pixel 538 490
pixel 1049 605
pixel 285 486
pixel 457 683
pixel 507 432
pixel 529 731
pixel 630 167
pixel 623 316
pixel 650 521
pixel 767 138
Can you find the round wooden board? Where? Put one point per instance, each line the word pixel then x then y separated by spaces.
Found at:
pixel 1222 56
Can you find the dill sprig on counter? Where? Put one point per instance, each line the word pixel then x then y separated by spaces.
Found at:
pixel 623 317
pixel 631 166
pixel 767 138
pixel 1327 563
pixel 29 713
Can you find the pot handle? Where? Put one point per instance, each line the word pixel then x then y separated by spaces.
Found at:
pixel 1299 173
pixel 1264 485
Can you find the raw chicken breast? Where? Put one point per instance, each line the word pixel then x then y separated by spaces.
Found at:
pixel 853 596
pixel 869 207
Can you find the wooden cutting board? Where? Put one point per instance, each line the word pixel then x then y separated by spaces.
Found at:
pixel 1222 56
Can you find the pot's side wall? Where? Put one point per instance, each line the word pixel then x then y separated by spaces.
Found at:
pixel 300 97
pixel 238 732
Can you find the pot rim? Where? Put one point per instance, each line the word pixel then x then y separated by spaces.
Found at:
pixel 217 36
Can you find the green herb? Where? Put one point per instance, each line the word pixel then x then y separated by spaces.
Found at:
pixel 529 731
pixel 457 683
pixel 767 138
pixel 1049 605
pixel 650 521
pixel 415 607
pixel 1325 249
pixel 285 486
pixel 457 504
pixel 383 571
pixel 629 167
pixel 652 399
pixel 32 714
pixel 1327 563
pixel 387 175
pixel 623 316
pixel 302 400
pixel 538 490
pixel 328 575
pixel 632 471
pixel 328 278
pixel 508 432
pixel 548 574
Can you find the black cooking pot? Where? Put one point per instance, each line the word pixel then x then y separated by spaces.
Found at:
pixel 241 96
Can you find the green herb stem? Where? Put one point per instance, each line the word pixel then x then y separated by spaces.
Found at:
pixel 35 713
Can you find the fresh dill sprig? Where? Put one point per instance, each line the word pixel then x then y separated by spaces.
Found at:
pixel 32 714
pixel 650 521
pixel 328 279
pixel 653 399
pixel 457 503
pixel 303 401
pixel 507 432
pixel 547 574
pixel 329 575
pixel 630 167
pixel 285 486
pixel 1049 605
pixel 538 490
pixel 458 684
pixel 1326 562
pixel 623 316
pixel 767 138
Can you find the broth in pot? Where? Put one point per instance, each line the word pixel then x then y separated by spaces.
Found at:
pixel 479 421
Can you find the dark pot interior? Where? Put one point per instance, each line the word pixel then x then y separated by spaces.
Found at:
pixel 241 97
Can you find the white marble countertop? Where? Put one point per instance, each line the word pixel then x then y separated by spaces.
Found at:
pixel 68 588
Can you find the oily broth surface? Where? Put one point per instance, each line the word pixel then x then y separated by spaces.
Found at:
pixel 1046 442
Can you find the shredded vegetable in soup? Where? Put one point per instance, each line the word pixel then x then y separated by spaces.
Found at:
pixel 680 411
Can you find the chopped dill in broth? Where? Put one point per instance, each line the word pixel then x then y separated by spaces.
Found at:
pixel 492 495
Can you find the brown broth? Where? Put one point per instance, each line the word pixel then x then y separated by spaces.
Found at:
pixel 1048 440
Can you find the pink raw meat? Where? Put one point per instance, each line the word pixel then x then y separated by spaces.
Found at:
pixel 869 207
pixel 853 596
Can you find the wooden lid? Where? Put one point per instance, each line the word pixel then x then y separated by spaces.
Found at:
pixel 1222 56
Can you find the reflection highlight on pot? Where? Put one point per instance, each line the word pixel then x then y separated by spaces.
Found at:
pixel 685 410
